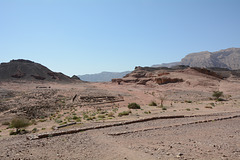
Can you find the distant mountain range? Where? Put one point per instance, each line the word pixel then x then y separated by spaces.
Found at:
pixel 169 65
pixel 103 76
pixel 28 70
pixel 226 58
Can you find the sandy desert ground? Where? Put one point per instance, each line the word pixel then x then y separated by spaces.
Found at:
pixel 209 129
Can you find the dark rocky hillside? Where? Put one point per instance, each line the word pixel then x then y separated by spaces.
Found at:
pixel 28 70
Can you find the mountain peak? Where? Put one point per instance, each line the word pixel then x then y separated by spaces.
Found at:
pixel 225 58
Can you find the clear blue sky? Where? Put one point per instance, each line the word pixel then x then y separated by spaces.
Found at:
pixel 90 36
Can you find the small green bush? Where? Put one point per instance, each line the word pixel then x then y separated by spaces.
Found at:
pixel 110 114
pixel 42 120
pixel 164 108
pixel 153 103
pixel 75 117
pixel 34 130
pixel 101 116
pixel 102 112
pixel 12 133
pixel 91 118
pixel 134 106
pixel 58 121
pixel 147 112
pixel 220 99
pixel 212 104
pixel 78 120
pixel 187 101
pixel 85 116
pixel 19 123
pixel 124 113
pixel 217 94
pixel 115 110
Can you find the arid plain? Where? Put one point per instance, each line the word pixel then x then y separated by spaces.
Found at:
pixel 177 119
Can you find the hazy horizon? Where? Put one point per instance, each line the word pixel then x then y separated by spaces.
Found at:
pixel 91 36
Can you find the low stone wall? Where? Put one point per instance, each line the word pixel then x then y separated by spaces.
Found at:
pixel 177 125
pixel 70 131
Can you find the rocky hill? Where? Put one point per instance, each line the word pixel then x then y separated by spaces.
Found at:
pixel 27 70
pixel 103 76
pixel 226 58
pixel 176 74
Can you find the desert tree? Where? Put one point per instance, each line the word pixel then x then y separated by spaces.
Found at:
pixel 162 98
pixel 217 94
pixel 19 122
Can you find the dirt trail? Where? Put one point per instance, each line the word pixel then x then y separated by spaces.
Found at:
pixel 213 140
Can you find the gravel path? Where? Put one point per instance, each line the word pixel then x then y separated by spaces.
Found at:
pixel 211 140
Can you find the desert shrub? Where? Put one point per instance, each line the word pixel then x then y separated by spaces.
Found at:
pixel 164 108
pixel 53 127
pixel 110 114
pixel 188 109
pixel 102 112
pixel 210 107
pixel 78 120
pixel 101 116
pixel 93 114
pixel 124 113
pixel 212 104
pixel 134 106
pixel 85 116
pixel 58 121
pixel 91 118
pixel 220 99
pixel 187 101
pixel 115 110
pixel 12 133
pixel 75 117
pixel 34 130
pixel 217 94
pixel 153 103
pixel 19 123
pixel 63 123
pixel 42 120
pixel 147 112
